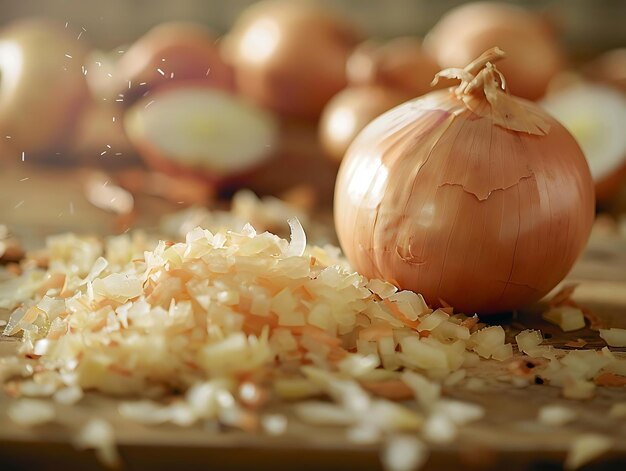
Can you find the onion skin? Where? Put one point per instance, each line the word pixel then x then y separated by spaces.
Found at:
pixel 348 112
pixel 186 50
pixel 435 198
pixel 534 55
pixel 399 64
pixel 290 56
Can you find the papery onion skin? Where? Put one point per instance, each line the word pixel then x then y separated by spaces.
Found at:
pixel 534 55
pixel 348 112
pixel 290 56
pixel 436 199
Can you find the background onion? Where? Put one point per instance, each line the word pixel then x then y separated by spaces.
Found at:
pixel 595 115
pixel 533 54
pixel 485 210
pixel 609 68
pixel 290 56
pixel 348 112
pixel 400 64
pixel 42 87
pixel 170 52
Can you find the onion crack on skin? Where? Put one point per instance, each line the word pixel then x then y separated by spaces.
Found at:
pixel 525 177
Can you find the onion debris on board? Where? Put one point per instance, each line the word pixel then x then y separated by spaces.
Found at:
pixel 234 319
pixel 470 196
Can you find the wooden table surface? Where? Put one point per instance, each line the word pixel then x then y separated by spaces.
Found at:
pixel 508 436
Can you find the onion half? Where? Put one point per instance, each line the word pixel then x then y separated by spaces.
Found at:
pixel 197 131
pixel 400 64
pixel 472 197
pixel 595 115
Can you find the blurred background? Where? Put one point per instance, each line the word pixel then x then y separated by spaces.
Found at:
pixel 115 114
pixel 589 26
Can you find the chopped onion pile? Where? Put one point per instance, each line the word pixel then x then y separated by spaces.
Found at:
pixel 235 320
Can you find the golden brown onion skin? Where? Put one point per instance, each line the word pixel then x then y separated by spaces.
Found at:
pixel 290 56
pixel 436 199
pixel 534 55
pixel 348 112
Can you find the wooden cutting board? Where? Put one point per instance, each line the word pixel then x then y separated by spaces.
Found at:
pixel 508 436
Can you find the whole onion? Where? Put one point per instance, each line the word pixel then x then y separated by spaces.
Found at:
pixel 534 55
pixel 399 64
pixel 290 56
pixel 348 112
pixel 470 196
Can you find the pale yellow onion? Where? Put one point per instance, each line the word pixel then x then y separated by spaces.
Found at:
pixel 471 197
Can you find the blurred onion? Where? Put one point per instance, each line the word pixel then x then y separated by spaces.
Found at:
pixel 534 55
pixel 42 86
pixel 399 64
pixel 170 52
pixel 609 68
pixel 348 112
pixel 290 56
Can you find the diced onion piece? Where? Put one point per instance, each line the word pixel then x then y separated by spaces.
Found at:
pixel 578 389
pixel 554 414
pixel 31 412
pixel 404 453
pixel 274 424
pixel 614 337
pixel 439 429
pixel 585 448
pixel 618 410
pixel 528 339
pixel 566 317
pixel 381 288
pixel 98 434
pixel 426 392
pixel 297 244
pixel 458 412
pixel 488 341
pixel 431 321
